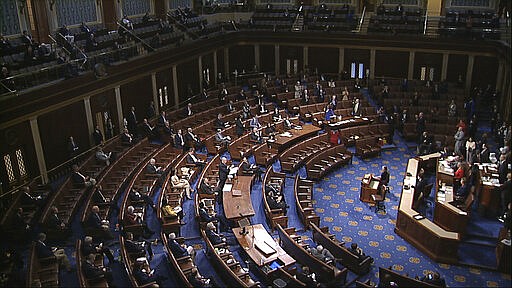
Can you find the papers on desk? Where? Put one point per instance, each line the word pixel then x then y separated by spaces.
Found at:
pixel 236 192
pixel 286 134
pixel 441 196
pixel 265 248
pixel 365 119
pixel 227 187
pixel 233 170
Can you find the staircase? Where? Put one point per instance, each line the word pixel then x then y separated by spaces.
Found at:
pixel 363 29
pixel 432 26
pixel 298 24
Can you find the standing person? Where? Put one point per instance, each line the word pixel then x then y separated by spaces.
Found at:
pixel 420 125
pixel 384 177
pixel 223 174
pixel 459 141
pixel 470 150
pixel 132 121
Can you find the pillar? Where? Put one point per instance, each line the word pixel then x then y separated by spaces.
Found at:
pixel 88 117
pixel 175 86
pixel 341 60
pixel 410 70
pixel 372 63
pixel 200 67
pixel 469 73
pixel 257 60
pixel 215 67
pixel 119 105
pixel 226 64
pixel 156 103
pixel 276 58
pixel 34 127
pixel 305 61
pixel 444 67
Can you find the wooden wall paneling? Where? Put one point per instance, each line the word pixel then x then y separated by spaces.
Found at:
pixel 485 71
pixel 356 56
pixel 325 59
pixel 188 79
pixel 138 94
pixel 164 79
pixel 109 13
pixel 55 127
pixel 292 53
pixel 457 65
pixel 391 64
pixel 267 58
pixel 40 17
pixel 241 57
pixel 433 60
pixel 160 8
pixel 16 137
pixel 104 102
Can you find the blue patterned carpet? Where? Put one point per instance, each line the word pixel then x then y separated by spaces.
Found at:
pixel 336 199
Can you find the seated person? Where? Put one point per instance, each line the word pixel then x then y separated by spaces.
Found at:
pixel 224 140
pixel 92 271
pixel 80 179
pixel 151 168
pixel 193 159
pixel 254 122
pixel 135 218
pixel 247 168
pixel 329 113
pixel 463 190
pixel 149 130
pixel 276 116
pixel 100 225
pixel 288 124
pixel 327 255
pixel 192 140
pixel 307 277
pixel 88 248
pixel 127 138
pixel 270 130
pixel 256 135
pixel 138 247
pixel 176 182
pixel 45 251
pixel 136 196
pixel 214 237
pixel 28 199
pixel 20 224
pixel 206 188
pixel 359 252
pixel 434 278
pixel 56 224
pixel 275 199
pixel 197 280
pixel 172 209
pixel 180 250
pixel 102 156
pixel 219 123
pixel 145 275
pixel 179 140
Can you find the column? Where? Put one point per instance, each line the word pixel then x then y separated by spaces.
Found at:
pixel 215 68
pixel 469 73
pixel 341 60
pixel 276 58
pixel 200 67
pixel 444 68
pixel 88 117
pixel 305 58
pixel 372 63
pixel 227 73
pixel 175 86
pixel 39 150
pixel 410 71
pixel 119 105
pixel 257 60
pixel 499 76
pixel 156 103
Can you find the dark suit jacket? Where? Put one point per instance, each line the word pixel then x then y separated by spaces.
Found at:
pixel 205 217
pixel 484 156
pixel 239 127
pixel 151 169
pixel 177 250
pixel 219 123
pixel 91 271
pixel 177 141
pixel 214 237
pixel 77 178
pixel 94 221
pixel 43 251
pixel 205 189
pixel 161 121
pixel 54 222
pixel 190 160
pixel 133 247
pixel 88 249
pixel 384 178
pixel 143 278
pixel 223 171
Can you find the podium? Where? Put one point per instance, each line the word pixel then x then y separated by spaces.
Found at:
pixel 369 187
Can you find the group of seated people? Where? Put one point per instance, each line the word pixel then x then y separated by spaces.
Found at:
pixel 275 197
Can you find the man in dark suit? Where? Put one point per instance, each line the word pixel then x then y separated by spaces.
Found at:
pixel 81 180
pixel 44 251
pixel 72 147
pixel 97 135
pixel 384 176
pixel 131 120
pixel 188 110
pixel 91 271
pixel 247 168
pixel 205 187
pixel 193 159
pixel 88 248
pixel 230 108
pixel 306 277
pixel 57 225
pixel 180 250
pixel 192 140
pixel 223 174
pixel 239 126
pixel 256 135
pixel 149 130
pixel 484 154
pixel 151 168
pixel 219 123
pixel 161 119
pixel 100 225
pixel 179 140
pixel 139 248
pixel 502 169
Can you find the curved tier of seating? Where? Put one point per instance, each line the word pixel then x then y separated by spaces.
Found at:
pixel 303 190
pixel 83 281
pixel 322 163
pixel 274 216
pixel 183 265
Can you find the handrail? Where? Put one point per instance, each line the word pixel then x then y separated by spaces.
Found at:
pixel 182 26
pixel 425 25
pixel 55 42
pixel 361 20
pixel 135 36
pixel 73 44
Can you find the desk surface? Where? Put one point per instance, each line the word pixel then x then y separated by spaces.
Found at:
pixel 296 133
pixel 262 241
pixel 239 202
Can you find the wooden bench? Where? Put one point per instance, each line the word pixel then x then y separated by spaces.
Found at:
pixel 322 163
pixel 129 261
pixel 368 147
pixel 295 156
pixel 339 251
pixel 303 198
pixel 274 216
pixel 387 275
pixel 82 279
pixel 41 272
pixel 325 273
pixel 183 265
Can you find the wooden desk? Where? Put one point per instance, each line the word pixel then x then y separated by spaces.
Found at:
pixel 253 246
pixel 503 255
pixel 238 206
pixel 489 200
pixel 369 186
pixel 431 239
pixel 283 142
